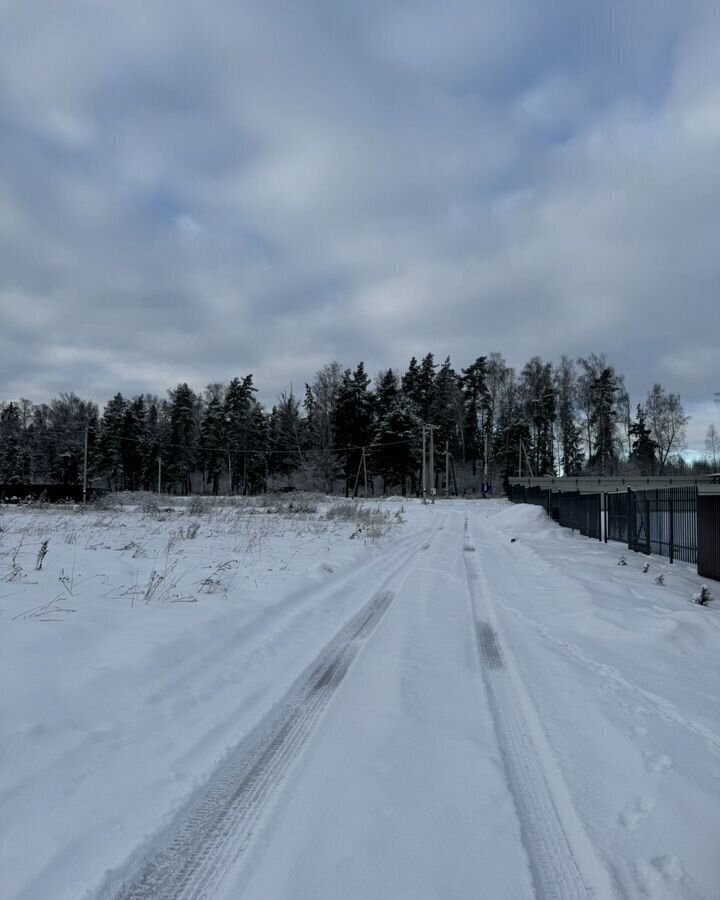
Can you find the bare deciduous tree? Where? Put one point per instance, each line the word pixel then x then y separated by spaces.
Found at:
pixel 712 446
pixel 667 422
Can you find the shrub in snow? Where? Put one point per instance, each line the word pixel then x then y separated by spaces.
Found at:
pixel 703 596
pixel 42 553
pixel 646 567
pixel 622 561
pixel 660 580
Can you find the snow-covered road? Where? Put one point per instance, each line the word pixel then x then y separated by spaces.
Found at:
pixel 481 705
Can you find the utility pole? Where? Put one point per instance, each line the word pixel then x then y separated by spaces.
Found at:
pixel 365 473
pixel 361 465
pixel 229 475
pixel 520 458
pixel 85 455
pixel 159 474
pixel 432 463
pixel 485 458
pixel 447 468
pixel 424 460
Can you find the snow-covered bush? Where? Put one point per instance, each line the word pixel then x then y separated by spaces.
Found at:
pixel 622 561
pixel 703 596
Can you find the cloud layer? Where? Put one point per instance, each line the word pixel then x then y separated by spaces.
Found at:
pixel 190 191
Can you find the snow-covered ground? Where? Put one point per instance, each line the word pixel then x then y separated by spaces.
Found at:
pixel 220 700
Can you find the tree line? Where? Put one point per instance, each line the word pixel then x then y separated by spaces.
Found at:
pixel 574 417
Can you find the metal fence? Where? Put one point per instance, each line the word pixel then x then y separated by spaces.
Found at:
pixel 571 509
pixel 664 521
pixel 580 512
pixel 708 523
pixel 616 518
pixel 680 522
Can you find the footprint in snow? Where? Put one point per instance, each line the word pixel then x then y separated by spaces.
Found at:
pixel 632 817
pixel 657 762
pixel 659 874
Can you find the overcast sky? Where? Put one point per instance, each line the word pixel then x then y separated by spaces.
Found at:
pixel 191 191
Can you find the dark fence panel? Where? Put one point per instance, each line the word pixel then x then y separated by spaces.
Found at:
pixel 581 512
pixel 538 497
pixel 708 524
pixel 617 517
pixel 664 521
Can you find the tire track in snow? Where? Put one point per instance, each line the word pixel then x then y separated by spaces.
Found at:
pixel 562 861
pixel 660 706
pixel 199 851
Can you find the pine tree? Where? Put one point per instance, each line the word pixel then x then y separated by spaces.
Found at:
pixel 287 435
pixel 603 422
pixel 570 437
pixel 395 450
pixel 184 437
pixel 643 446
pixel 473 383
pixel 538 397
pixel 133 443
pixel 10 445
pixel 255 463
pixel 352 421
pixel 447 413
pixel 237 411
pixel 110 442
pixel 212 436
pixel 410 383
pixel 387 389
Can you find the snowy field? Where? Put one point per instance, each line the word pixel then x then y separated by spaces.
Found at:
pixel 304 697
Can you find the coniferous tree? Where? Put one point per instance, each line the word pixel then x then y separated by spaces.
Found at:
pixel 352 421
pixel 387 389
pixel 11 464
pixel 395 450
pixel 256 468
pixel 65 422
pixel 538 397
pixel 474 388
pixel 603 422
pixel 111 441
pixel 643 447
pixel 410 382
pixel 446 414
pixel 213 436
pixel 287 435
pixel 183 414
pixel 133 443
pixel 237 412
pixel 570 433
pixel 425 388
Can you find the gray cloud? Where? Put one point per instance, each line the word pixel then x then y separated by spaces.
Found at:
pixel 188 193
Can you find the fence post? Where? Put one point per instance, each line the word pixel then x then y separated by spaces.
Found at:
pixel 672 529
pixel 630 519
pixel 607 516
